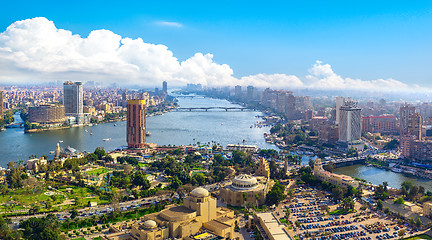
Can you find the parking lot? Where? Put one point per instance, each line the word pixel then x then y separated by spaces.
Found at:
pixel 309 219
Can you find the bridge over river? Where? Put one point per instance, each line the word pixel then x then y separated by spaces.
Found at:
pixel 342 162
pixel 212 109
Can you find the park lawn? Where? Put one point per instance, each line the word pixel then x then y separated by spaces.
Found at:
pixel 25 196
pixel 198 168
pixel 142 164
pixel 420 236
pixel 77 192
pixel 341 212
pixel 97 172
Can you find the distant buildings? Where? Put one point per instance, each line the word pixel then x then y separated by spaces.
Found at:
pixel 238 92
pixel 284 102
pixel 380 124
pixel 73 100
pixel 316 122
pixel 251 94
pixel 349 122
pixel 1 104
pixel 328 133
pixel 136 123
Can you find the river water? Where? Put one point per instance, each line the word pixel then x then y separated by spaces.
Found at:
pixel 378 176
pixel 175 128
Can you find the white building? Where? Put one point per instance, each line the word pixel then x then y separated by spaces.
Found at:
pixel 73 100
pixel 350 122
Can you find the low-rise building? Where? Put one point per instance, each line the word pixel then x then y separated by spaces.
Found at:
pixel 245 190
pixel 333 178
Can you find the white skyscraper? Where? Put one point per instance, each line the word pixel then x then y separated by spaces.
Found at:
pixel 339 103
pixel 350 122
pixel 73 100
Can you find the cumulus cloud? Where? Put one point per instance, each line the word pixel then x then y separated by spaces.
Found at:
pixel 35 50
pixel 322 76
pixel 169 24
pixel 272 80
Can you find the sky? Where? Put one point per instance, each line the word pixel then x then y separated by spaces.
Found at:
pixel 380 45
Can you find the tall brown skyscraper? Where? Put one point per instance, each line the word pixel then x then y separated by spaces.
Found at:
pixel 136 121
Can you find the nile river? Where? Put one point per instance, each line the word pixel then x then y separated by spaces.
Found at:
pixel 175 128
pixel 378 176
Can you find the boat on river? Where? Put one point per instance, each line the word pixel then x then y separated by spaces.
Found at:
pixel 106 139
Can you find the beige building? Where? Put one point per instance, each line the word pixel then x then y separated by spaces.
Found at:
pixel 427 209
pixel 35 163
pixel 245 190
pixel 272 227
pixel 46 113
pixel 263 168
pixel 198 212
pixel 335 179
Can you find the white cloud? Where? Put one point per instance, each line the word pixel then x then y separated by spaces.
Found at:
pixel 169 24
pixel 322 76
pixel 273 80
pixel 34 50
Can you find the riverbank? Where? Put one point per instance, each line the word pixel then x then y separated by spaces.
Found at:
pixel 377 176
pixel 169 128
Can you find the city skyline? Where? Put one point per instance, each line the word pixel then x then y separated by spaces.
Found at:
pixel 49 47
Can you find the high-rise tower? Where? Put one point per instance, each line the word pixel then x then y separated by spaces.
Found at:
pixel 136 122
pixel 73 100
pixel 405 112
pixel 349 122
pixel 165 87
pixel 1 104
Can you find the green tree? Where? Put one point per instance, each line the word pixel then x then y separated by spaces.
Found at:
pixel 407 185
pixel 91 157
pixel 337 193
pixel 400 200
pixel 412 222
pixel 387 210
pixel 141 180
pixel 347 203
pixel 175 183
pixel 74 214
pixel 276 194
pixel 418 222
pixel 379 204
pixel 198 179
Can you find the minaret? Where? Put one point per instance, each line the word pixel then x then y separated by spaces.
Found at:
pixel 57 151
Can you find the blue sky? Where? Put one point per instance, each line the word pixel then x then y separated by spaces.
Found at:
pixel 363 39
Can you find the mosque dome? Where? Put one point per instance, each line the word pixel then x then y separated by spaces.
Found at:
pixel 244 181
pixel 149 224
pixel 199 192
